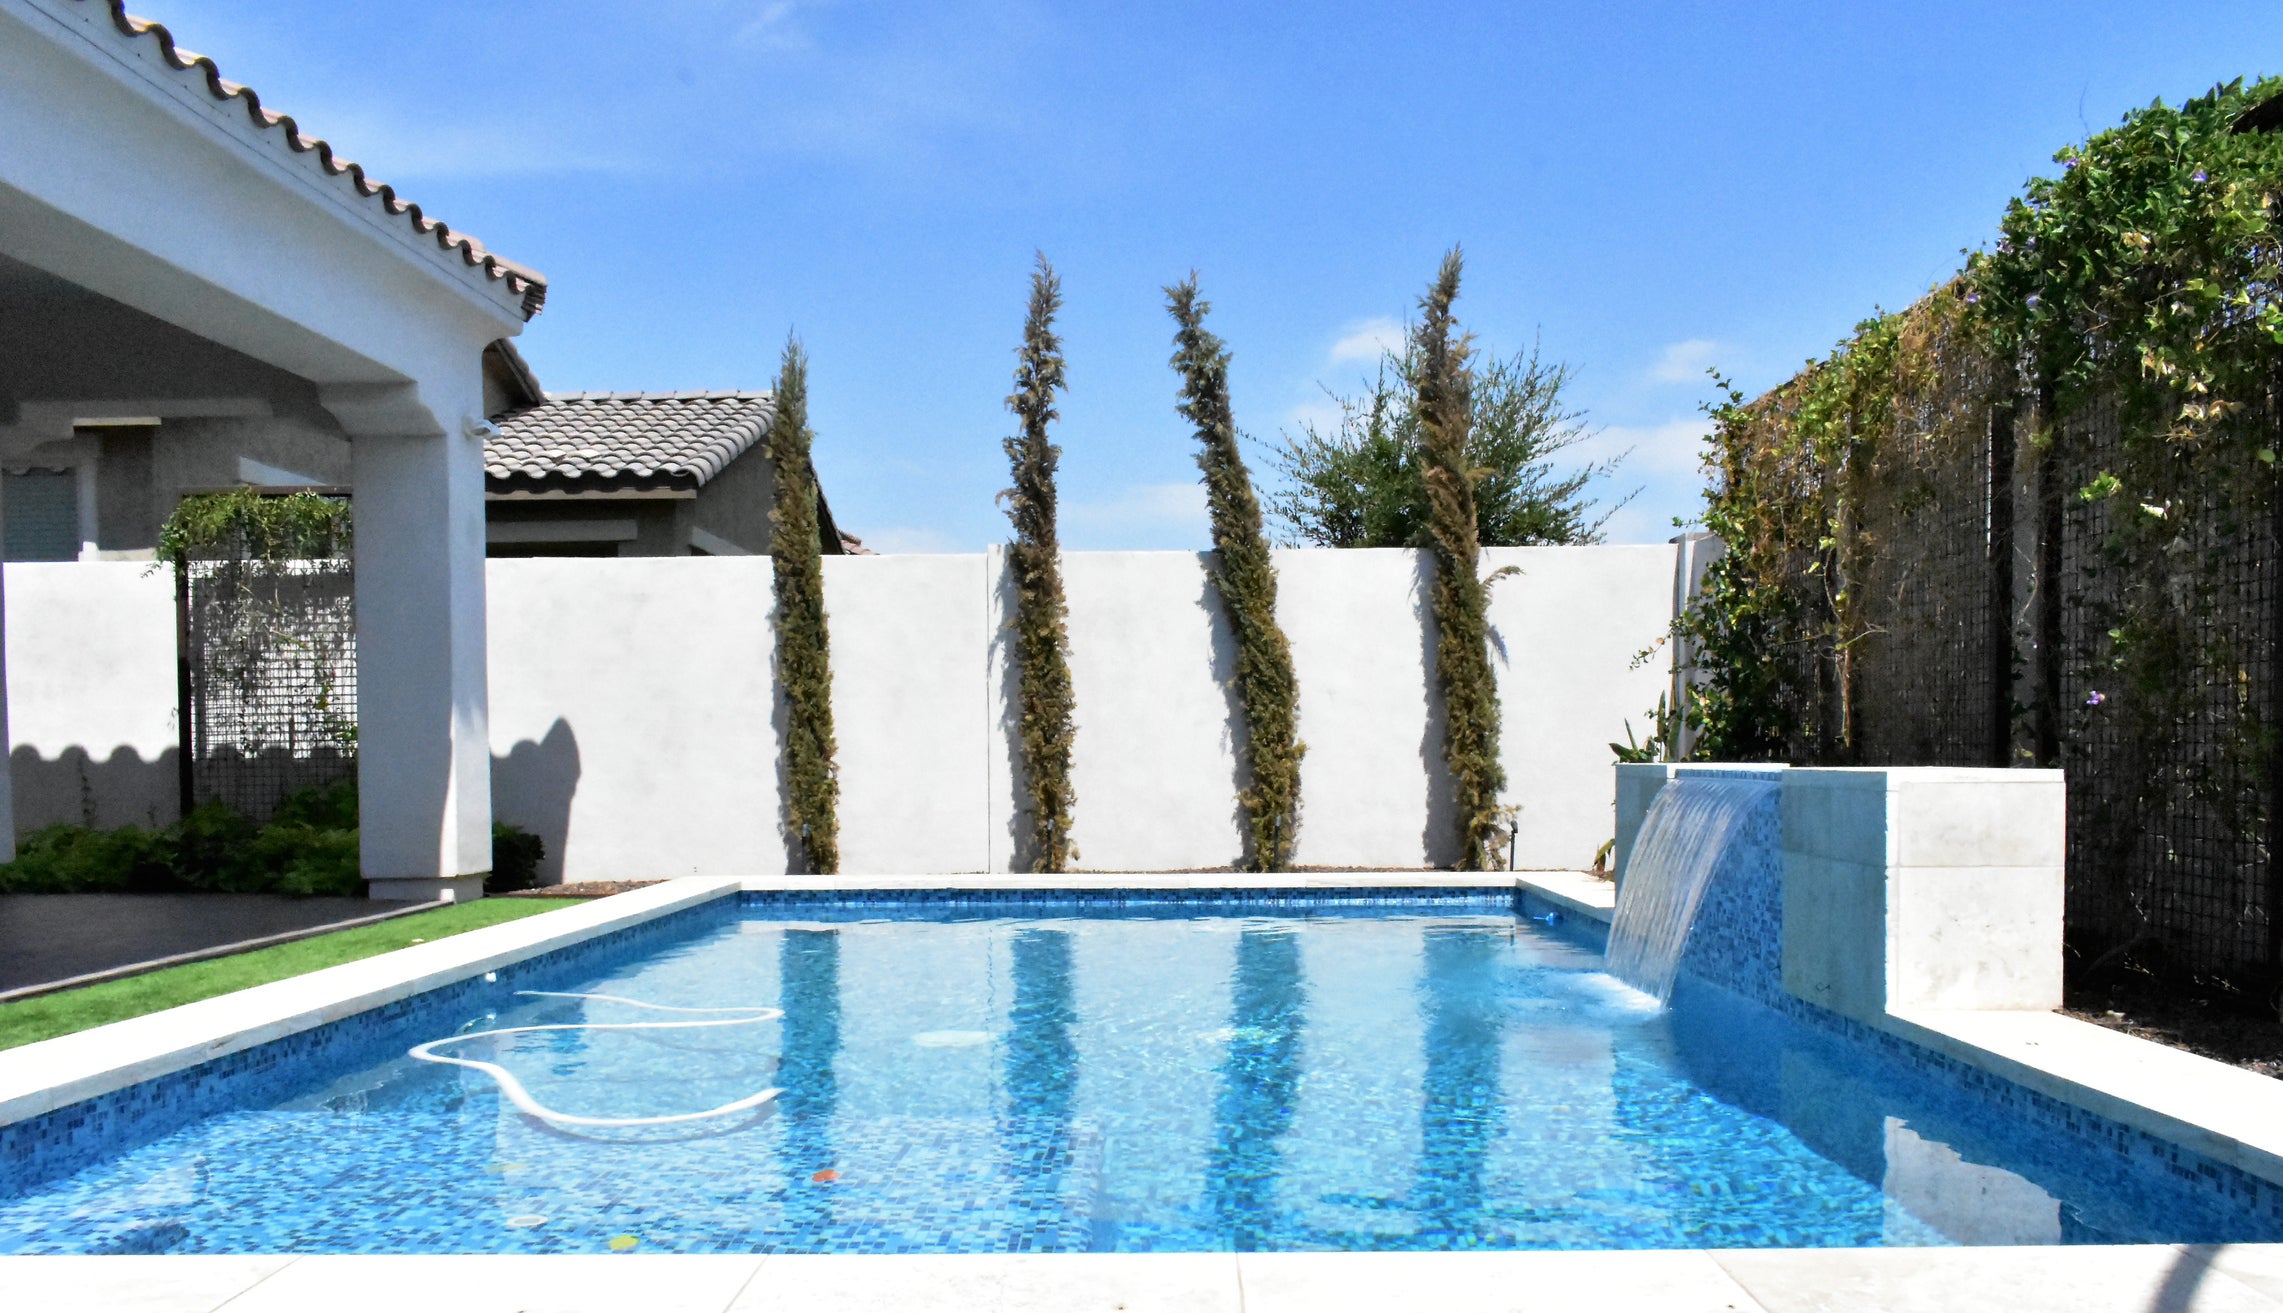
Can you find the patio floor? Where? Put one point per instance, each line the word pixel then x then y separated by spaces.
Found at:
pixel 49 937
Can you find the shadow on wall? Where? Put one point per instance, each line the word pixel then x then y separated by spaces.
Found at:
pixel 1233 728
pixel 1439 840
pixel 531 787
pixel 73 788
pixel 1021 852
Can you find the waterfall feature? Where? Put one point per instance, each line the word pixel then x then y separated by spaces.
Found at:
pixel 1673 859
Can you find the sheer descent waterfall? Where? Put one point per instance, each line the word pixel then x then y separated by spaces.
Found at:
pixel 1679 847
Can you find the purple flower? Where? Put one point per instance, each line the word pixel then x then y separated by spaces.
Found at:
pixel 2199 176
pixel 2067 165
pixel 1973 298
pixel 2030 300
pixel 2096 698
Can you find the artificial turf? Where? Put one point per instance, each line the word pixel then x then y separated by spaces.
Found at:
pixel 116 1000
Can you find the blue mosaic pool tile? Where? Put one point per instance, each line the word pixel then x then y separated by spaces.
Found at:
pixel 38 1149
pixel 1736 947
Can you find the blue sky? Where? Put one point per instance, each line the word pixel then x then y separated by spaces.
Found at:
pixel 1644 189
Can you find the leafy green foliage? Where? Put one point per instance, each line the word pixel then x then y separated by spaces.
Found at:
pixel 515 858
pixel 1444 400
pixel 1244 576
pixel 804 666
pixel 2150 272
pixel 308 848
pixel 1659 746
pixel 2135 293
pixel 1360 483
pixel 1045 705
pixel 245 522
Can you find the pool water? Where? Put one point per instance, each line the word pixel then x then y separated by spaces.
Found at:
pixel 1449 1076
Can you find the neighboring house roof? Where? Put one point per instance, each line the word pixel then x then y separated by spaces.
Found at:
pixel 616 441
pixel 625 439
pixel 521 281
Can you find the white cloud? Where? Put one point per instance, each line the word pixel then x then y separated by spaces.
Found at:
pixel 909 538
pixel 1323 413
pixel 1368 339
pixel 771 28
pixel 1685 362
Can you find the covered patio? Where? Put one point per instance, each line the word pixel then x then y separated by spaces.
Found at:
pixel 172 251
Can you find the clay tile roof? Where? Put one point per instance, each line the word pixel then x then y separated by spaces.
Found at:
pixel 521 281
pixel 675 438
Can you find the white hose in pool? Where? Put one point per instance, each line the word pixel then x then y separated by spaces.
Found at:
pixel 521 1097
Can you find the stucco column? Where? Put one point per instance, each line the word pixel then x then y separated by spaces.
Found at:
pixel 423 754
pixel 7 775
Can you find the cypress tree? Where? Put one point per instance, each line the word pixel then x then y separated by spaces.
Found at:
pixel 1034 559
pixel 804 670
pixel 1461 597
pixel 1244 575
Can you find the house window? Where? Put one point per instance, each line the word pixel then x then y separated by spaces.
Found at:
pixel 41 515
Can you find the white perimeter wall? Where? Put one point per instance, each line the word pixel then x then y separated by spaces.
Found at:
pixel 634 723
pixel 91 694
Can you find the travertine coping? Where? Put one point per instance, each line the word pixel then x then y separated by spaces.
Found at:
pixel 1575 892
pixel 2225 1113
pixel 2059 1279
pixel 39 1078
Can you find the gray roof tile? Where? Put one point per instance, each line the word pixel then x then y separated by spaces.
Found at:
pixel 640 435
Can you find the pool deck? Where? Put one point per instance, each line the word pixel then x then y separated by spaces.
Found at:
pixel 2142 1278
pixel 2230 1115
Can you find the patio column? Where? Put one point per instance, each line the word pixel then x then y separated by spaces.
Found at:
pixel 7 776
pixel 423 755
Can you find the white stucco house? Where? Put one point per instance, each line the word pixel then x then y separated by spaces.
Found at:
pixel 174 256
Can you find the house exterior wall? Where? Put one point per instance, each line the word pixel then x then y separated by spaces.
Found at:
pixel 734 505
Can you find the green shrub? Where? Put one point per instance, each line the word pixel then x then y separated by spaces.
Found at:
pixel 515 858
pixel 308 849
pixel 63 859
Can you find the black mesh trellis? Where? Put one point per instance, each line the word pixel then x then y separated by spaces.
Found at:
pixel 271 653
pixel 1995 586
pixel 2167 686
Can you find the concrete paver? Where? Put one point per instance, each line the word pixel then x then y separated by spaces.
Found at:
pixel 504 1283
pixel 189 1283
pixel 1590 1281
pixel 2050 1279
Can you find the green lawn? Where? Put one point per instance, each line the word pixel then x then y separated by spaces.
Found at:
pixel 116 1000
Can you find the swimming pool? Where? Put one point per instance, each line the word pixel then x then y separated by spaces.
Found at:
pixel 1433 1075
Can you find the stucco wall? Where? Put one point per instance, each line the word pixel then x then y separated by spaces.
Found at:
pixel 658 666
pixel 634 725
pixel 632 713
pixel 91 694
